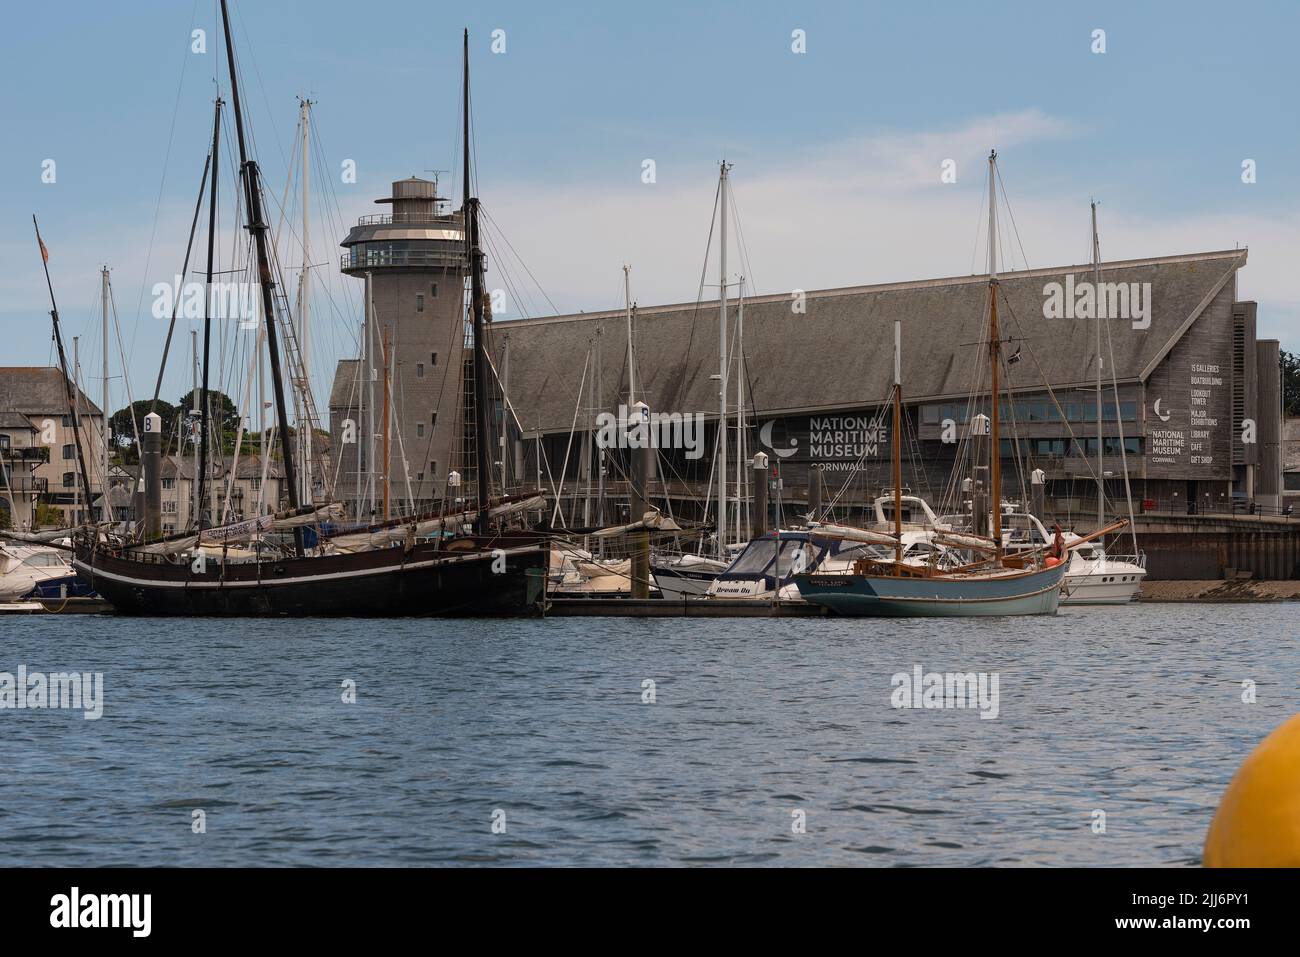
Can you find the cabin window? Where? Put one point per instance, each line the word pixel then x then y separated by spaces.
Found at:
pixel 419 302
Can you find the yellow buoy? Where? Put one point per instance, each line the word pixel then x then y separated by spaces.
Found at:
pixel 1258 820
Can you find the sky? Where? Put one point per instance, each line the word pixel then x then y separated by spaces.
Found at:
pixel 838 150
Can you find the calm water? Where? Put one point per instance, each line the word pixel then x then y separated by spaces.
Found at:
pixel 1135 711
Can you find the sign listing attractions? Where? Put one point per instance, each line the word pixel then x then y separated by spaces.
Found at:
pixel 1188 421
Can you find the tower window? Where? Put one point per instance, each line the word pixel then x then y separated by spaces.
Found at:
pixel 433 290
pixel 419 430
pixel 433 469
pixel 433 359
pixel 419 370
pixel 419 303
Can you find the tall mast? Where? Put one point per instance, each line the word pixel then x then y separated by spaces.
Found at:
pixel 253 204
pixel 103 461
pixel 202 477
pixel 722 365
pixel 304 424
pixel 195 502
pixel 68 387
pixel 480 333
pixel 387 461
pixel 740 409
pixel 897 453
pixel 995 346
pixel 1096 290
pixel 76 417
pixel 631 355
pixel 369 352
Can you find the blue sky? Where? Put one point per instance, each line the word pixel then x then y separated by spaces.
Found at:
pixel 837 150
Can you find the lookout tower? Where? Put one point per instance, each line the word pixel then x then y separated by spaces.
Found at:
pixel 415 264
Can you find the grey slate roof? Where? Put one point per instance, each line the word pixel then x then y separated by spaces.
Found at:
pixel 840 353
pixel 38 390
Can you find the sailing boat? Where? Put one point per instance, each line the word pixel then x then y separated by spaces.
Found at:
pixel 432 566
pixel 1024 584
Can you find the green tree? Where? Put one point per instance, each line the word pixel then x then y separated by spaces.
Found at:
pixel 123 426
pixel 1290 383
pixel 225 415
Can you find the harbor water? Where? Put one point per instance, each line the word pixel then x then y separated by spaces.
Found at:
pixel 639 742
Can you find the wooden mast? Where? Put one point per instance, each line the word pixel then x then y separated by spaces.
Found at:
pixel 470 213
pixel 387 413
pixel 897 447
pixel 250 175
pixel 201 478
pixel 68 387
pixel 995 444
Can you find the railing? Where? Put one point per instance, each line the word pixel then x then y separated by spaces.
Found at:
pixel 416 258
pixel 26 453
pixel 385 219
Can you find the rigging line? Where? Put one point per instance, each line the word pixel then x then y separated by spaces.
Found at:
pixel 189 246
pixel 506 239
pixel 704 268
pixel 564 469
pixel 1006 199
pixel 171 133
pixel 1123 451
pixel 979 221
pixel 126 374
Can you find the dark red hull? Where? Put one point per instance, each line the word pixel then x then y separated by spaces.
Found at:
pixel 472 576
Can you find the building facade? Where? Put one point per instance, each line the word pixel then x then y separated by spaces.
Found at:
pixel 38 455
pixel 1190 411
pixel 412 262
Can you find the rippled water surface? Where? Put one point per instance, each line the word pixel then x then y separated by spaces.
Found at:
pixel 1133 711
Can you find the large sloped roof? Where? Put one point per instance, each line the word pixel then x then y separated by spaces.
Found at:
pixel 839 354
pixel 38 390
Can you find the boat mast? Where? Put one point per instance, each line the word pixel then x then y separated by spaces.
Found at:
pixel 201 477
pixel 76 415
pixel 740 410
pixel 631 355
pixel 897 447
pixel 1096 289
pixel 386 418
pixel 63 362
pixel 253 205
pixel 995 348
pixel 304 435
pixel 480 335
pixel 722 365
pixel 103 475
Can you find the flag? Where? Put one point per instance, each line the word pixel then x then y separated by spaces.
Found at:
pixel 45 253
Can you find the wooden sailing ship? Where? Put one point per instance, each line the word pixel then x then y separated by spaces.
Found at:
pixel 427 565
pixel 994 583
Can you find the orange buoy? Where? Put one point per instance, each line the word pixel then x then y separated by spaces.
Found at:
pixel 1258 820
pixel 1051 561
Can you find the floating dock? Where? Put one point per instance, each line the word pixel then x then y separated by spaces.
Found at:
pixel 57 606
